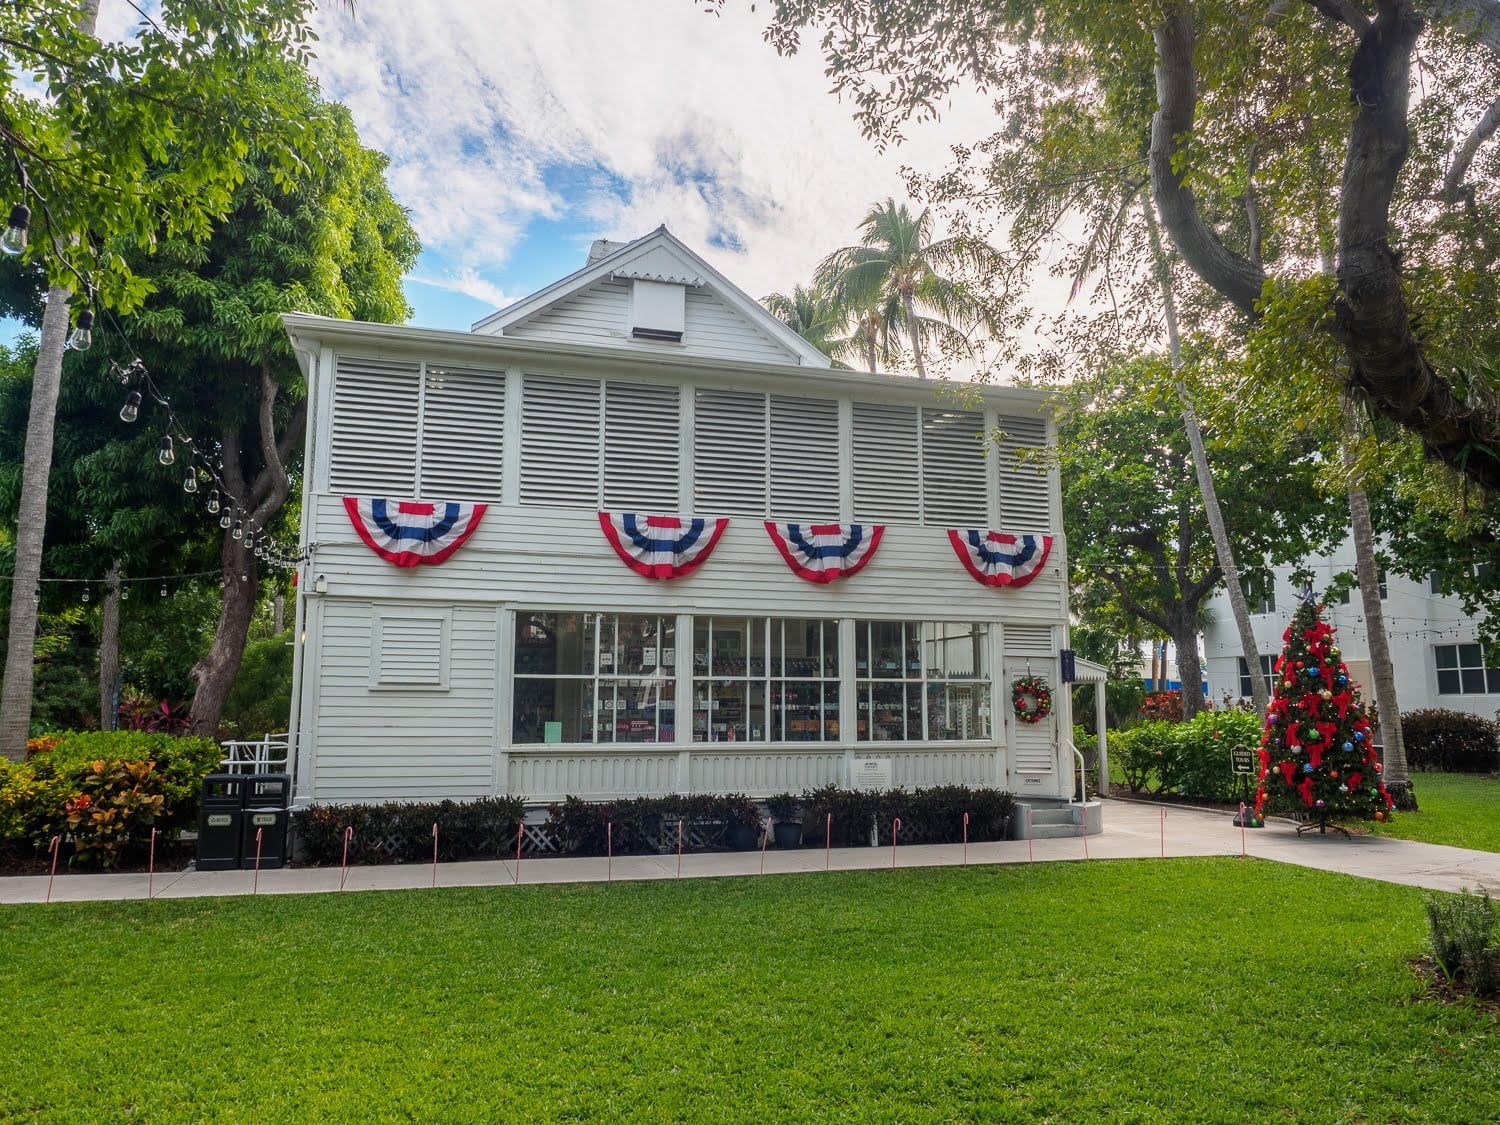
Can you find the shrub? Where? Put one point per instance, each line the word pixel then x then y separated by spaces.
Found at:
pixel 1163 706
pixel 784 808
pixel 649 824
pixel 1142 751
pixel 933 815
pixel 1201 765
pixel 402 833
pixel 1461 935
pixel 1452 741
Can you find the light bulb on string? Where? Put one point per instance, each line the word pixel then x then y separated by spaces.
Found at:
pixel 165 453
pixel 82 336
pixel 213 501
pixel 124 593
pixel 190 481
pixel 132 408
pixel 17 230
pixel 163 589
pixel 239 529
pixel 85 594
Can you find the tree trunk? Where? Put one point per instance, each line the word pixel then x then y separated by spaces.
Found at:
pixel 1189 666
pixel 867 335
pixel 109 650
pixel 278 615
pixel 215 673
pixel 1215 514
pixel 914 330
pixel 1387 704
pixel 31 525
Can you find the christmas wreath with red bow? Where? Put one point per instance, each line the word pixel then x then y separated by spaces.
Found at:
pixel 1031 698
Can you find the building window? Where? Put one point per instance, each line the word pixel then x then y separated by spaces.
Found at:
pixel 1247 689
pixel 1435 582
pixel 594 677
pixel 759 679
pixel 921 680
pixel 1462 670
pixel 1260 590
pixel 1380 580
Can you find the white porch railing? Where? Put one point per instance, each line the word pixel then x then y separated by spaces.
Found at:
pixel 266 755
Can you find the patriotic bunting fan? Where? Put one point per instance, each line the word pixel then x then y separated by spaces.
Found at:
pixel 409 533
pixel 661 546
pixel 998 558
pixel 821 552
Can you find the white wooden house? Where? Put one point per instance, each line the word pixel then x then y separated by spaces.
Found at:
pixel 534 661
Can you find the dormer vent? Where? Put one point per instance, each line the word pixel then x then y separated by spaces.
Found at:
pixel 657 310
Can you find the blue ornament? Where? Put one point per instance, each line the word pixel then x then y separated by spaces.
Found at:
pixel 1307 767
pixel 1313 671
pixel 1359 736
pixel 1343 679
pixel 1348 746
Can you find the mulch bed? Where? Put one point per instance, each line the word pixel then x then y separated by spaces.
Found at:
pixel 170 856
pixel 1439 987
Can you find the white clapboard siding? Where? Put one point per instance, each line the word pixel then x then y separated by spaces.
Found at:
pixel 805 458
pixel 560 441
pixel 729 453
pixel 953 468
pixel 463 428
pixel 887 467
pixel 410 651
pixel 373 449
pixel 1024 483
pixel 641 427
pixel 716 329
pixel 598 315
pixel 378 743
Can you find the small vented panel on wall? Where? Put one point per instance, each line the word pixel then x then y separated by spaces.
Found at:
pixel 641 453
pixel 463 430
pixel 804 458
pixel 887 470
pixel 1025 488
pixel 559 442
pixel 410 651
pixel 373 447
pixel 954 492
pixel 729 453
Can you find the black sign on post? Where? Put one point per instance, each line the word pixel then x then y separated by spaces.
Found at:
pixel 1241 759
pixel 1069 666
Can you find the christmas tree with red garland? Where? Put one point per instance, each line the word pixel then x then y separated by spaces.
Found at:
pixel 1317 754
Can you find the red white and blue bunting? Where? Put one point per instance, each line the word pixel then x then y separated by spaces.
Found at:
pixel 998 558
pixel 823 552
pixel 409 533
pixel 662 546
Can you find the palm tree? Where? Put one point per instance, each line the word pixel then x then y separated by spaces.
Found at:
pixel 813 315
pixel 898 268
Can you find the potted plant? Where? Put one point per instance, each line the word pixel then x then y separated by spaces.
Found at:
pixel 742 817
pixel 786 819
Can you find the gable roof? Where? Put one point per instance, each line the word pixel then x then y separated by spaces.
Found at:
pixel 658 256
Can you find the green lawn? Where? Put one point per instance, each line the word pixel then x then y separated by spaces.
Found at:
pixel 1461 809
pixel 1186 990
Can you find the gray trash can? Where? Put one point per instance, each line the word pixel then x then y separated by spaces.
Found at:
pixel 220 812
pixel 267 796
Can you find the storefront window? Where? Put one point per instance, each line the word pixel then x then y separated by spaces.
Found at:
pixel 759 680
pixel 921 680
pixel 594 677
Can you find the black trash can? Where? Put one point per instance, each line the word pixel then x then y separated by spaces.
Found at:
pixel 267 796
pixel 219 815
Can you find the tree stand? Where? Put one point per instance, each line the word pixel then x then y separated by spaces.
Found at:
pixel 1322 826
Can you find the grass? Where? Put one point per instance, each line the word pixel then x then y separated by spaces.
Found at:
pixel 1460 809
pixel 1186 990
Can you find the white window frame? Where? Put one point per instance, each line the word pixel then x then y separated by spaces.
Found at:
pixel 1459 668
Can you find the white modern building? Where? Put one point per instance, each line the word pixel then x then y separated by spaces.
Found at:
pixel 1435 648
pixel 598 483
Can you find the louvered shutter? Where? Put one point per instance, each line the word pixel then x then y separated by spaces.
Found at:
pixel 1028 640
pixel 1024 484
pixel 373 447
pixel 804 458
pixel 559 442
pixel 953 468
pixel 410 652
pixel 887 470
pixel 641 429
pixel 463 428
pixel 729 453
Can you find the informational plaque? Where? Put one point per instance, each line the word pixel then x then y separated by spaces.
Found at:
pixel 870 774
pixel 1241 759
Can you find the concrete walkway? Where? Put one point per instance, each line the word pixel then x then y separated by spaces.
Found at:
pixel 1131 831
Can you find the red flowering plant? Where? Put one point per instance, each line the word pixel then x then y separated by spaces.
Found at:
pixel 1163 706
pixel 1317 747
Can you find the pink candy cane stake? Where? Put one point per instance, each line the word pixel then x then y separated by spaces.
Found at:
pixel 966 839
pixel 827 839
pixel 56 843
pixel 255 885
pixel 434 852
pixel 609 851
pixel 344 871
pixel 679 849
pixel 520 831
pixel 1242 829
pixel 1083 830
pixel 1164 833
pixel 895 834
pixel 151 866
pixel 1030 850
pixel 765 838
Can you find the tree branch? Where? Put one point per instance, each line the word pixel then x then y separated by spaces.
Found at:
pixel 1453 182
pixel 1236 277
pixel 1479 18
pixel 1346 12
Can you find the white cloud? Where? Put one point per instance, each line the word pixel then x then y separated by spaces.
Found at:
pixel 470 284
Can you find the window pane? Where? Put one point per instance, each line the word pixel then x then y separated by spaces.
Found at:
pixel 958 710
pixel 1493 675
pixel 957 651
pixel 1473 681
pixel 639 644
pixel 798 710
pixel 1469 657
pixel 887 653
pixel 887 713
pixel 729 711
pixel 1446 656
pixel 555 644
pixel 553 711
pixel 1448 683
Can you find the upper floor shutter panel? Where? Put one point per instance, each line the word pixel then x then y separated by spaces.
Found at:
pixel 641 429
pixel 463 430
pixel 1025 482
pixel 804 458
pixel 373 447
pixel 887 469
pixel 954 488
pixel 729 453
pixel 559 442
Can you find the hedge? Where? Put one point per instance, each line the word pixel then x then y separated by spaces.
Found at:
pixel 1188 759
pixel 1452 741
pixel 102 791
pixel 402 833
pixel 928 816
